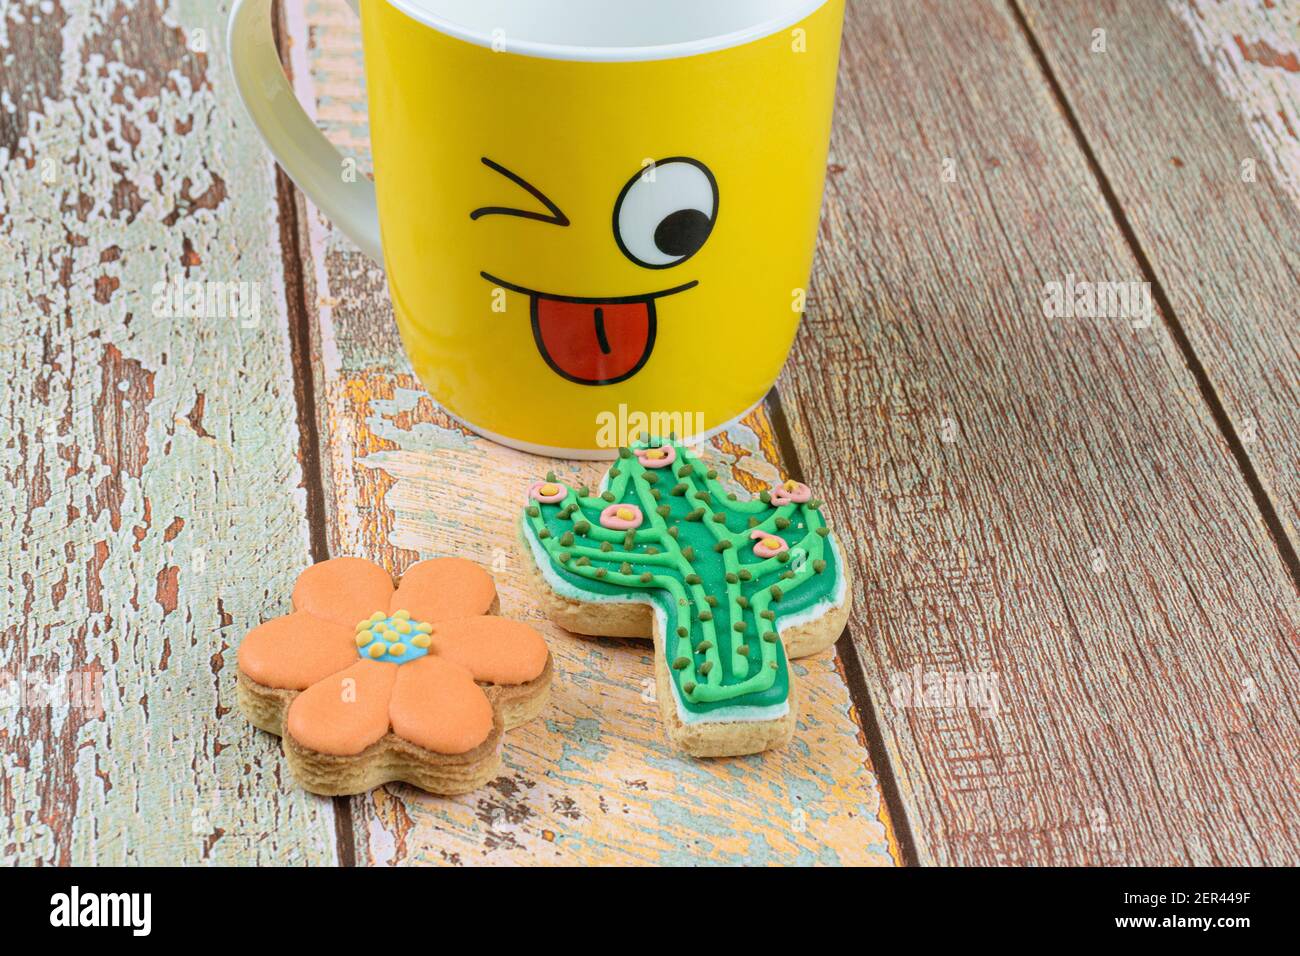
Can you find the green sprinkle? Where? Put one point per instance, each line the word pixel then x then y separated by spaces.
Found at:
pixel 651 549
pixel 563 557
pixel 688 688
pixel 731 577
pixel 650 477
pixel 566 539
pixel 703 647
pixel 607 496
pixel 722 545
pixel 710 600
pixel 625 453
pixel 743 650
pixel 681 663
pixel 606 546
pixel 705 668
pixel 582 527
pixel 731 496
pixel 776 593
pixel 600 572
pixel 584 491
pixel 694 579
pixel 765 497
pixel 704 496
pixel 629 539
pixel 625 568
pixel 678 490
pixel 614 472
pixel 711 473
pixel 663 510
pixel 683 471
pixel 823 531
pixel 786 575
pixel 739 627
pixel 742 600
pixel 769 636
pixel 583 561
pixel 720 517
pixel 655 494
pixel 813 505
pixel 782 523
pixel 772 665
pixel 768 615
pixel 819 566
pixel 695 515
pixel 534 511
pixel 646 577
pixel 550 476
pixel 672 532
pixel 682 632
pixel 565 512
pixel 783 557
pixel 543 534
pixel 688 553
pixel 745 575
pixel 753 522
pixel 706 614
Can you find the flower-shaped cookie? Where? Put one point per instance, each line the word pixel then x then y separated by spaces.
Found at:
pixel 369 683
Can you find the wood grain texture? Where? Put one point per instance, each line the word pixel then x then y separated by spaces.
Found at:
pixel 594 781
pixel 1208 206
pixel 151 506
pixel 1045 501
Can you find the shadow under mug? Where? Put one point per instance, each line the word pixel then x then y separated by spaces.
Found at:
pixel 597 217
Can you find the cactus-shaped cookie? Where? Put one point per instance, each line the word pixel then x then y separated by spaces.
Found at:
pixel 734 586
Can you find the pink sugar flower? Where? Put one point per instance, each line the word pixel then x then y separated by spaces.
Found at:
pixel 769 545
pixel 618 517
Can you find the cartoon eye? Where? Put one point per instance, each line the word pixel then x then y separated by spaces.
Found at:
pixel 666 212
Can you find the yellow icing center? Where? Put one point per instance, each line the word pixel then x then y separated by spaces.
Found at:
pixel 772 544
pixel 625 514
pixel 549 490
pixel 656 453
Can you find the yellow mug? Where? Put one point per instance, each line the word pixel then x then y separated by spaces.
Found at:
pixel 597 216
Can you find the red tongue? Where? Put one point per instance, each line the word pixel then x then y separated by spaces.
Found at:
pixel 595 343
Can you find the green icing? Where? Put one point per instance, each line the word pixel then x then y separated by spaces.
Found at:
pixel 693 557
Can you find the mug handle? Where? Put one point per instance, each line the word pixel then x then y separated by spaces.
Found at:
pixel 306 155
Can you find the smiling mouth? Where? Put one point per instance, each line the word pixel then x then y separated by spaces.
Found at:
pixel 589 340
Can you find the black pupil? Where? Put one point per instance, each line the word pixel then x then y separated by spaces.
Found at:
pixel 683 232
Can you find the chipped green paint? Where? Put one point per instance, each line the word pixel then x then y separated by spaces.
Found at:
pixel 152 505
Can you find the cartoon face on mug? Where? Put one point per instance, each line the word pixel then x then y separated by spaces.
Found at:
pixel 663 216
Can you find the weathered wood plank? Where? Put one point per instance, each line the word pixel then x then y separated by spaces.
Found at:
pixel 1044 501
pixel 594 782
pixel 1208 206
pixel 151 506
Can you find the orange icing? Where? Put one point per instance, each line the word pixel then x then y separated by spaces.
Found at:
pixel 343 590
pixel 494 649
pixel 346 712
pixel 437 705
pixel 295 651
pixel 443 589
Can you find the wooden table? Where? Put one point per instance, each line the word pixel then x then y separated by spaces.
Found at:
pixel 1096 516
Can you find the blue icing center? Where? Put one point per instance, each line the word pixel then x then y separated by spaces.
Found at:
pixel 396 631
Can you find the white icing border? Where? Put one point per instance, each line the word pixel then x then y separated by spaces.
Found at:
pixel 721 715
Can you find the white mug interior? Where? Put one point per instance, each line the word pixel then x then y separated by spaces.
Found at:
pixel 608 29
